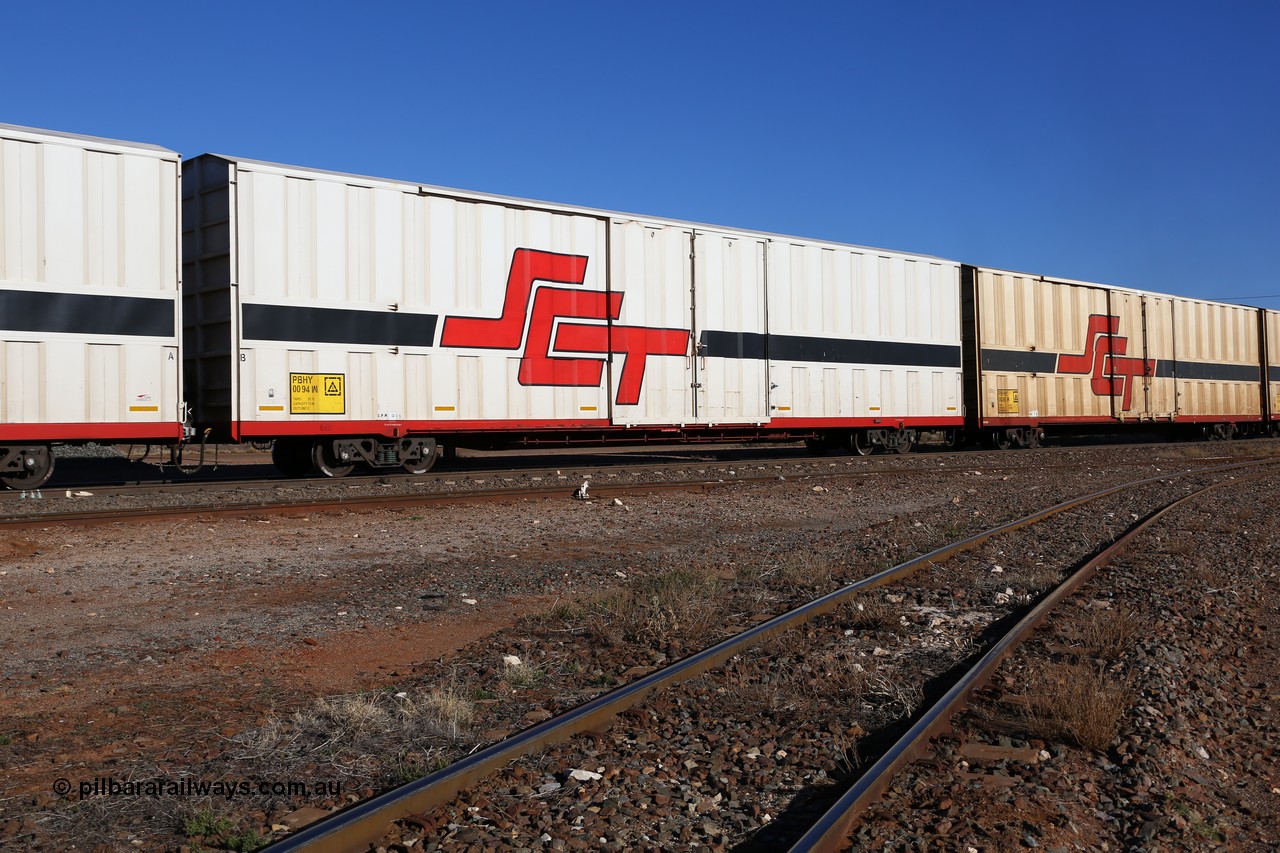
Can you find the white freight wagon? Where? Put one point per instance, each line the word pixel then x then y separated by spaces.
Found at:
pixel 89 341
pixel 355 319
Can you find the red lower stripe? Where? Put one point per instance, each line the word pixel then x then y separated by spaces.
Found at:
pixel 113 432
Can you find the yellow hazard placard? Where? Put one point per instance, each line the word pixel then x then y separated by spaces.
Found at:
pixel 1007 401
pixel 317 393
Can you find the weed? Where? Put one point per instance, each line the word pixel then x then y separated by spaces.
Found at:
pixel 5 740
pixel 869 614
pixel 678 605
pixel 893 699
pixel 205 822
pixel 1074 703
pixel 523 675
pixel 245 842
pixel 810 572
pixel 481 693
pixel 351 731
pixel 1109 634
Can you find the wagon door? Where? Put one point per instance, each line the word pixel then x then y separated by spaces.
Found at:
pixel 651 371
pixel 1126 366
pixel 730 371
pixel 1160 383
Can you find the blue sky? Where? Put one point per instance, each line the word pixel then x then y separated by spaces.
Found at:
pixel 1131 143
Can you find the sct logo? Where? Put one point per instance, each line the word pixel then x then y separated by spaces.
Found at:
pixel 1111 371
pixel 536 317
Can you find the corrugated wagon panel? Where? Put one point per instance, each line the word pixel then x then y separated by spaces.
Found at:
pixel 89 285
pixel 862 334
pixel 1271 321
pixel 417 306
pixel 1041 343
pixel 1218 360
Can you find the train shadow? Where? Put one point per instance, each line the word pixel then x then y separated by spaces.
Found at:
pixel 808 805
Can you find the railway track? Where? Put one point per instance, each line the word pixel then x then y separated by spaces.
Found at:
pixel 235 497
pixel 364 823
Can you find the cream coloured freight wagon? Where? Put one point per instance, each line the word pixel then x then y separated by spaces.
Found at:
pixel 1070 355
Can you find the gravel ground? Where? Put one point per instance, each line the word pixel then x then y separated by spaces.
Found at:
pixel 1192 762
pixel 151 655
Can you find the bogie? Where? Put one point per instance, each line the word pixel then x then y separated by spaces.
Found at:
pixel 25 467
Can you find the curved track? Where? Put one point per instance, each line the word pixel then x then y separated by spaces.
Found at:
pixel 363 823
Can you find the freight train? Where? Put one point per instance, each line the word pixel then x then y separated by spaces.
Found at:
pixel 356 321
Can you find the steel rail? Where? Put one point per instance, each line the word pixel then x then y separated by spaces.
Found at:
pixel 132 515
pixel 830 832
pixel 904 465
pixel 354 502
pixel 362 823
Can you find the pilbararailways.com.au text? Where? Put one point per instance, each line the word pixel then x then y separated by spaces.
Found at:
pixel 227 789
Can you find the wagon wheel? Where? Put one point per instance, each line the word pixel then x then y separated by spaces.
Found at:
pixel 37 469
pixel 905 445
pixel 1000 440
pixel 1034 439
pixel 326 463
pixel 860 444
pixel 424 457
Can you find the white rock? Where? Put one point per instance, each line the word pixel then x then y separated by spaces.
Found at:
pixel 469 601
pixel 819 489
pixel 879 652
pixel 997 570
pixel 402 695
pixel 617 501
pixel 1202 752
pixel 511 660
pixel 548 787
pixel 584 775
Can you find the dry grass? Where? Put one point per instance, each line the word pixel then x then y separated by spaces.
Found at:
pixel 1026 582
pixel 892 698
pixel 870 613
pixel 1075 704
pixel 680 604
pixel 350 733
pixel 1109 634
pixel 782 680
pixel 810 572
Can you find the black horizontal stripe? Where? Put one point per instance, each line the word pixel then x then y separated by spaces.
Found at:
pixel 81 314
pixel 717 344
pixel 1015 361
pixel 1166 368
pixel 337 326
pixel 732 344
pixel 1273 374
